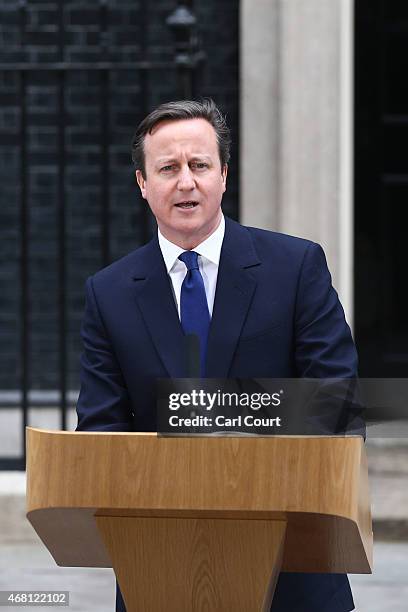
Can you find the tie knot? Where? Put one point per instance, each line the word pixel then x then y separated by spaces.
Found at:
pixel 190 258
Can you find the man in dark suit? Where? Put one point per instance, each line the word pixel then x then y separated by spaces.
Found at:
pixel 271 308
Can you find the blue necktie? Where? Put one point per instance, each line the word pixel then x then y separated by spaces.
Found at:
pixel 195 317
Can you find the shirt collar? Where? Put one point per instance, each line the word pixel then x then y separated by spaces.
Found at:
pixel 210 248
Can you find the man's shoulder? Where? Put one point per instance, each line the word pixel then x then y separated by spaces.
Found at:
pixel 279 238
pixel 268 240
pixel 131 265
pixel 139 262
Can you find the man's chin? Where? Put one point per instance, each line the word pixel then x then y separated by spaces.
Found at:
pixel 191 222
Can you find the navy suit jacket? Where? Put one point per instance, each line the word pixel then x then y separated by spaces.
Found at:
pixel 276 315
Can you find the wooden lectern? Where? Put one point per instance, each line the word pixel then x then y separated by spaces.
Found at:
pixel 202 523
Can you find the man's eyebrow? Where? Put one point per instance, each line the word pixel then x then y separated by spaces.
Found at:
pixel 166 160
pixel 173 160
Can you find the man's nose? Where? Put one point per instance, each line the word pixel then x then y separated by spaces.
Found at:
pixel 186 179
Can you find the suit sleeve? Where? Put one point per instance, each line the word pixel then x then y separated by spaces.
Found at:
pixel 104 403
pixel 324 347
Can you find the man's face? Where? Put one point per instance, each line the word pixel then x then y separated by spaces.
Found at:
pixel 184 181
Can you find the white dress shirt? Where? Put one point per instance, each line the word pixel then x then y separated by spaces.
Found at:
pixel 209 253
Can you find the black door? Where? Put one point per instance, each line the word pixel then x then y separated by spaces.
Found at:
pixel 381 186
pixel 75 80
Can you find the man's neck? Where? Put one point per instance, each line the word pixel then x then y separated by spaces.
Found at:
pixel 189 243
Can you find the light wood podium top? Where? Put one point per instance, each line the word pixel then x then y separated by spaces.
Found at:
pixel 319 485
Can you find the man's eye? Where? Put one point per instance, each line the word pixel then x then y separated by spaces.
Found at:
pixel 200 165
pixel 167 168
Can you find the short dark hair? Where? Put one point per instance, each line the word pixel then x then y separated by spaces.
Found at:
pixel 182 109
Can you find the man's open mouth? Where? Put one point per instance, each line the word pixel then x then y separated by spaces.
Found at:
pixel 187 204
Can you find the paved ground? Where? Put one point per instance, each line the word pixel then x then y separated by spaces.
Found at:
pixel 386 590
pixel 30 567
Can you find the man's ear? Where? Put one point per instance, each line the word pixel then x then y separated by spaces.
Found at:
pixel 141 181
pixel 224 173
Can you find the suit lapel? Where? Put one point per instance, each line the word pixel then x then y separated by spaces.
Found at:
pixel 235 289
pixel 156 302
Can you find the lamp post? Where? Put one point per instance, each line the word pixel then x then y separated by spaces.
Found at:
pixel 188 54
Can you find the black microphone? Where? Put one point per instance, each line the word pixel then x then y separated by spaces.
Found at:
pixel 192 352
